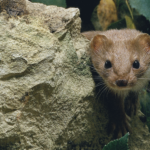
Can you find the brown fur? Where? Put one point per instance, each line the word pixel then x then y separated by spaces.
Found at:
pixel 121 48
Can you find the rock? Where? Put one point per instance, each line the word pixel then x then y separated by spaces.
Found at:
pixel 47 99
pixel 13 7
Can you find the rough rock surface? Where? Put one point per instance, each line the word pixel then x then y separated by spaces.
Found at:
pixel 47 99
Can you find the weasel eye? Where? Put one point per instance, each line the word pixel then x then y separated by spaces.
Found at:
pixel 108 64
pixel 136 64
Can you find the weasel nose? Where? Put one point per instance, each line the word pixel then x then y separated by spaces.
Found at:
pixel 121 82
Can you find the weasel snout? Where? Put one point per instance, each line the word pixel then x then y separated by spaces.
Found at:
pixel 121 83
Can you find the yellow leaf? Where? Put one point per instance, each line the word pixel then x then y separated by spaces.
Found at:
pixel 107 13
pixel 129 22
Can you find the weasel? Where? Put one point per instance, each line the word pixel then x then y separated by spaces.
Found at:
pixel 122 60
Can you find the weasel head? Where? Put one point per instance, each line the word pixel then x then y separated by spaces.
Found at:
pixel 122 63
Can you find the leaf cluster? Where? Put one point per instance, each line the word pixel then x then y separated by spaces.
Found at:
pixel 132 14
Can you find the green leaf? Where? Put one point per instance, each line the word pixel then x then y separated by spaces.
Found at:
pixel 142 6
pixel 119 144
pixel 118 24
pixel 61 3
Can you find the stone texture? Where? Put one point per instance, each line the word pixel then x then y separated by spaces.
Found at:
pixel 47 99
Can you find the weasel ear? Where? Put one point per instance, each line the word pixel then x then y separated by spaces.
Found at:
pixel 144 41
pixel 98 42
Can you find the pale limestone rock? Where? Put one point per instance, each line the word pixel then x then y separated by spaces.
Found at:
pixel 52 69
